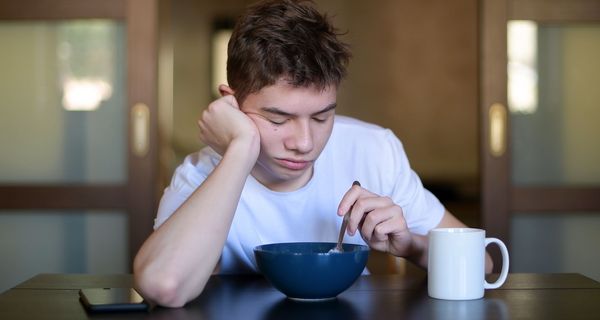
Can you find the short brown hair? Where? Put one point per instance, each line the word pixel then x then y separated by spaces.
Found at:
pixel 287 39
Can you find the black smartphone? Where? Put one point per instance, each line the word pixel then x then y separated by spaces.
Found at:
pixel 112 300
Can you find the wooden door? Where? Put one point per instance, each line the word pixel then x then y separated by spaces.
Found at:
pixel 115 174
pixel 538 144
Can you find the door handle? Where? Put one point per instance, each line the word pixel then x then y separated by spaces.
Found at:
pixel 497 129
pixel 140 123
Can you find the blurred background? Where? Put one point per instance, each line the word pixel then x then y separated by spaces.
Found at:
pixel 496 103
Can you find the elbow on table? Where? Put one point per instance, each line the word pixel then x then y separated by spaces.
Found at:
pixel 161 289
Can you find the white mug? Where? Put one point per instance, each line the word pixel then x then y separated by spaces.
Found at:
pixel 456 266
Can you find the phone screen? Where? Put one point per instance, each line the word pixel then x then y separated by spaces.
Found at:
pixel 112 299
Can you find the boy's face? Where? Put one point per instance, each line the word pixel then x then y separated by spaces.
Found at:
pixel 294 125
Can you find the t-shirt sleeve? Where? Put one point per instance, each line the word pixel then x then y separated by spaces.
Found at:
pixel 422 210
pixel 184 182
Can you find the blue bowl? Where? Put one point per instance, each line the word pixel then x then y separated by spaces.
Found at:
pixel 307 271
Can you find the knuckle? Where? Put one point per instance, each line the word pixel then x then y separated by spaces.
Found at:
pixel 402 223
pixel 210 106
pixel 359 204
pixel 205 115
pixel 379 231
pixel 364 230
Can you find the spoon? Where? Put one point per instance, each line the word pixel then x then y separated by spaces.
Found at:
pixel 338 246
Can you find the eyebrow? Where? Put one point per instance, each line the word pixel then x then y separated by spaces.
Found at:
pixel 277 111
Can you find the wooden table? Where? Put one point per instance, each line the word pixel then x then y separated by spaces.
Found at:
pixel 523 296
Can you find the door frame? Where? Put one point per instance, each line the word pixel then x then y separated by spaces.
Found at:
pixel 138 196
pixel 499 197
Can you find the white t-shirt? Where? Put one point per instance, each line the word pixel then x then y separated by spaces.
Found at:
pixel 355 151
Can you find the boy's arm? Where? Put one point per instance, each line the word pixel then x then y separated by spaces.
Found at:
pixel 175 262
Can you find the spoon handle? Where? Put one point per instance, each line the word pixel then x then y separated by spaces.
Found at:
pixel 345 223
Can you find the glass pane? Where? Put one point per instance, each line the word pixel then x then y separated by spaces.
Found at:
pixel 561 242
pixel 554 100
pixel 63 102
pixel 61 242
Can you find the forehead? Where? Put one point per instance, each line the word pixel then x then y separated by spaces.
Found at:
pixel 291 99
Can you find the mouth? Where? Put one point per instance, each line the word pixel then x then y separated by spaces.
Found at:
pixel 292 164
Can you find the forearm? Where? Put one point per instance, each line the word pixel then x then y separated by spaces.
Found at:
pixel 419 250
pixel 173 265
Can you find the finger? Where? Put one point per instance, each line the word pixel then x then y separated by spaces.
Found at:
pixel 383 226
pixel 202 130
pixel 202 119
pixel 386 229
pixel 230 100
pixel 363 206
pixel 373 219
pixel 202 122
pixel 350 198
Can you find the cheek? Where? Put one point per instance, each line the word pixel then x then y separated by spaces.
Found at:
pixel 322 135
pixel 325 133
pixel 270 136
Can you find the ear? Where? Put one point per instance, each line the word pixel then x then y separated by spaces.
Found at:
pixel 225 90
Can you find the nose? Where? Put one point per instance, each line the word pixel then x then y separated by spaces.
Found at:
pixel 300 139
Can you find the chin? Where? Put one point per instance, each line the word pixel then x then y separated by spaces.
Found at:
pixel 282 179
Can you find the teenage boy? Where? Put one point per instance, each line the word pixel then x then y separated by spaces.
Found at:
pixel 279 164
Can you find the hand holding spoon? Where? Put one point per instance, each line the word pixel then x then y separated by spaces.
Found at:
pixel 338 246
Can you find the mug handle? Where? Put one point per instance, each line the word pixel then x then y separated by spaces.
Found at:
pixel 505 262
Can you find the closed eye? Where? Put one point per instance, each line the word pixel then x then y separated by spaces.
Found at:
pixel 273 120
pixel 277 122
pixel 322 117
